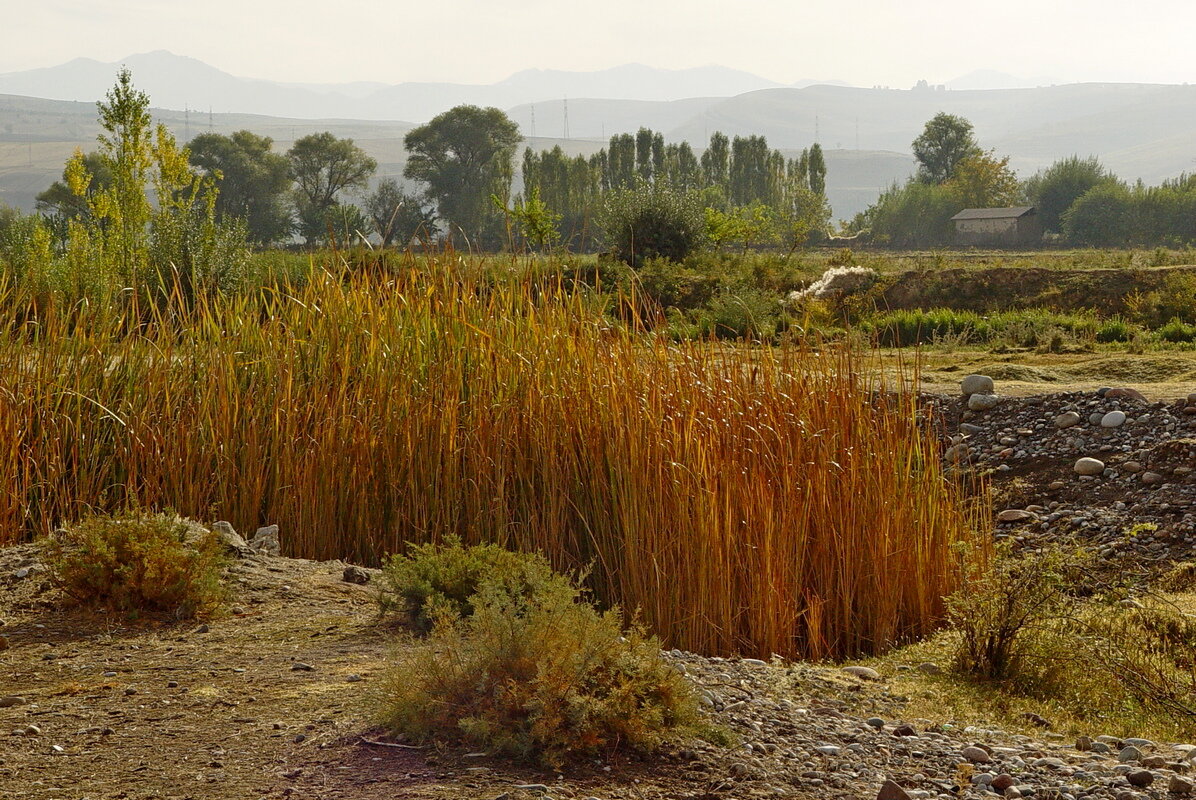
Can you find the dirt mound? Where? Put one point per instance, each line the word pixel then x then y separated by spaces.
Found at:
pixel 1004 288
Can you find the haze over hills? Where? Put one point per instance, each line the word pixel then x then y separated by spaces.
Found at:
pixel 1145 131
pixel 179 82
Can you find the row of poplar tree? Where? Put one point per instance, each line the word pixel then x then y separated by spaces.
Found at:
pixel 731 174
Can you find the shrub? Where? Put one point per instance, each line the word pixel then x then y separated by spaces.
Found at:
pixel 135 564
pixel 543 677
pixel 997 613
pixel 1176 332
pixel 1114 330
pixel 436 581
pixel 742 314
pixel 653 222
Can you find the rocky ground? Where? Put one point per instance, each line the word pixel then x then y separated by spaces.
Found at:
pixel 270 700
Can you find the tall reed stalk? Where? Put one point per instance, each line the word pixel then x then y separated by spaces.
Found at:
pixel 745 499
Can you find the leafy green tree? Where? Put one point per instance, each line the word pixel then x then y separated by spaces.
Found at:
pixel 1101 217
pixel 984 181
pixel 60 202
pixel 323 166
pixel 653 221
pixel 253 182
pixel 168 247
pixel 816 166
pixel 1053 190
pixel 716 161
pixel 944 142
pixel 537 222
pixel 398 217
pixel 464 156
pixel 915 215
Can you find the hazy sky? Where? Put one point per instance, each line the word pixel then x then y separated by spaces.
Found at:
pixel 864 42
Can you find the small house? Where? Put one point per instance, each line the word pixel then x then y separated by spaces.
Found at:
pixel 998 227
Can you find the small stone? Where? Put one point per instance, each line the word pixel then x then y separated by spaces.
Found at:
pixel 1067 419
pixel 1140 778
pixel 299 666
pixel 970 429
pixel 1132 466
pixel 1083 744
pixel 982 402
pixel 33 730
pixel 977 384
pixel 1114 419
pixel 905 730
pixel 1125 393
pixel 355 574
pixel 1129 754
pixel 977 755
pixel 353 678
pixel 930 668
pixel 827 750
pixel 11 700
pixel 237 611
pixel 108 674
pixel 203 628
pixel 1180 785
pixel 1089 466
pixel 299 738
pixel 534 788
pixel 1016 515
pixel 1002 782
pixel 867 673
pixel 265 541
pixel 891 791
pixel 130 691
pixel 233 542
pixel 1151 478
pixel 172 684
pixel 875 722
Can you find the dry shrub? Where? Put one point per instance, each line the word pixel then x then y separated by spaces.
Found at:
pixel 1051 626
pixel 543 677
pixel 139 564
pixel 432 582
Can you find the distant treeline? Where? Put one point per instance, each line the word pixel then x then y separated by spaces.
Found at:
pixel 1079 202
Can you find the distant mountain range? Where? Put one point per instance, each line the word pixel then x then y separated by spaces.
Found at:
pixel 1138 130
pixel 179 82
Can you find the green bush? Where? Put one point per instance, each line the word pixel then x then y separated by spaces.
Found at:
pixel 1115 330
pixel 742 314
pixel 542 676
pixel 442 581
pixel 654 221
pixel 1177 332
pixel 134 564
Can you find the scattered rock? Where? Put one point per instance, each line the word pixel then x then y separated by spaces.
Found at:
pixel 265 541
pixel 1125 393
pixel 1089 466
pixel 1180 785
pixel 867 673
pixel 355 574
pixel 1114 419
pixel 1016 515
pixel 1068 419
pixel 977 755
pixel 891 791
pixel 982 402
pixel 977 384
pixel 1140 778
pixel 12 700
pixel 233 542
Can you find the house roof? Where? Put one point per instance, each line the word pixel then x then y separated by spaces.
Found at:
pixel 994 213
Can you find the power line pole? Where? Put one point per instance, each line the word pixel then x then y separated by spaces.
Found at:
pixel 566 102
pixel 533 120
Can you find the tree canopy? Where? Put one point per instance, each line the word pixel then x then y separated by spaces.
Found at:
pixel 944 142
pixel 323 166
pixel 464 156
pixel 253 181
